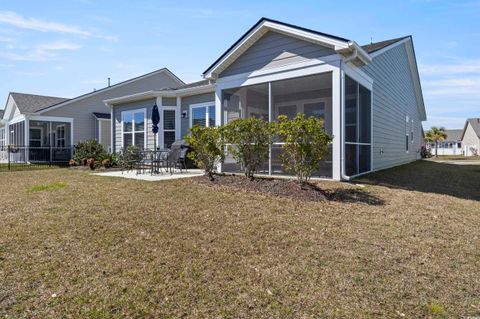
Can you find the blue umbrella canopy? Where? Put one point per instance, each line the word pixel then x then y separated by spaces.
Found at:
pixel 155 119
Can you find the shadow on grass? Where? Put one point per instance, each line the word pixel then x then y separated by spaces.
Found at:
pixel 462 181
pixel 350 195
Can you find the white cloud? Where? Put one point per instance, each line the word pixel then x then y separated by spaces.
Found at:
pixel 16 20
pixel 58 45
pixel 40 53
pixel 456 67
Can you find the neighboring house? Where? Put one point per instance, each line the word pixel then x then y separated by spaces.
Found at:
pixel 452 145
pixel 42 121
pixel 471 137
pixel 369 96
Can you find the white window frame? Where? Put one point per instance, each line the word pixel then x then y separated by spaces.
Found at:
pixel 58 139
pixel 141 110
pixel 30 136
pixel 162 125
pixel 205 105
pixel 2 136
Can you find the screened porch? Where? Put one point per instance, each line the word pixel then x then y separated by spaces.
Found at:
pixel 311 95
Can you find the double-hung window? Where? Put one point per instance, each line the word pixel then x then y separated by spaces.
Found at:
pixel 60 136
pixel 133 128
pixel 202 114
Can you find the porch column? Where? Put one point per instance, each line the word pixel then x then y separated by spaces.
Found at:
pixel 178 119
pixel 337 120
pixel 219 118
pixel 27 138
pixel 160 139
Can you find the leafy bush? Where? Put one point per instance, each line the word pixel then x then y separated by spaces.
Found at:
pixel 249 141
pixel 89 149
pixel 306 144
pixel 109 160
pixel 208 148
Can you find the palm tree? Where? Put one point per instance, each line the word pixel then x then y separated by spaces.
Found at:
pixel 436 134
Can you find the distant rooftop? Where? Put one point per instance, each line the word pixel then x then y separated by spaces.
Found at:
pixel 31 103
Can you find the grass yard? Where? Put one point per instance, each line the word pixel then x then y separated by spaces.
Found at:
pixel 455 158
pixel 74 245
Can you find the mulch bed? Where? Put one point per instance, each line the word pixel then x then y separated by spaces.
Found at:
pixel 290 188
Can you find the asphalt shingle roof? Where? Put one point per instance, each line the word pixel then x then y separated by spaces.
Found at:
pixel 31 103
pixel 454 135
pixel 375 46
pixel 102 115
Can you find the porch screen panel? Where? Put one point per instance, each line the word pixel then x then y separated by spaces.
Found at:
pixel 358 127
pixel 310 95
pixel 16 133
pixel 244 102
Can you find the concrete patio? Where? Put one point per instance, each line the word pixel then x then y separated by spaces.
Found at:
pixel 153 178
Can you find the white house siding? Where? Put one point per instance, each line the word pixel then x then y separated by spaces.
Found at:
pixel 470 140
pixel 117 117
pixel 186 102
pixel 274 50
pixel 81 110
pixel 393 100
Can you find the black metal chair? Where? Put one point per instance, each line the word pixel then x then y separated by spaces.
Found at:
pixel 177 159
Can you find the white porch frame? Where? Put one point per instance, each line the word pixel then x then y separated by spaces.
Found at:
pixel 330 64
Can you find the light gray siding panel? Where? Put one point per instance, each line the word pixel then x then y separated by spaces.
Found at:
pixel 393 100
pixel 470 140
pixel 117 116
pixel 106 133
pixel 169 101
pixel 81 111
pixel 186 102
pixel 275 50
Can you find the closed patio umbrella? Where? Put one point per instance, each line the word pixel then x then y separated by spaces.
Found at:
pixel 155 121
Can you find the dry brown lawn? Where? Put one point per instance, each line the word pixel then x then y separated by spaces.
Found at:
pixel 74 245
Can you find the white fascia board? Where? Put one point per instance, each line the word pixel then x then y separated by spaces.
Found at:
pixel 358 75
pixel 9 108
pixel 50 118
pixel 155 94
pixel 261 29
pixel 176 79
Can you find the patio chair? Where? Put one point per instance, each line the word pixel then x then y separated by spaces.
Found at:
pixel 160 160
pixel 177 159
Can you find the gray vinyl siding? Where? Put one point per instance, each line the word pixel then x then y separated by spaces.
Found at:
pixel 393 99
pixel 105 129
pixel 117 116
pixel 274 50
pixel 169 101
pixel 186 102
pixel 81 110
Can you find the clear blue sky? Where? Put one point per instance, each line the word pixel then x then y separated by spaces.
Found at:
pixel 67 48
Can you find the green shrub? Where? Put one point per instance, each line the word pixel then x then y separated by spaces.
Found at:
pixel 249 142
pixel 306 144
pixel 208 148
pixel 89 149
